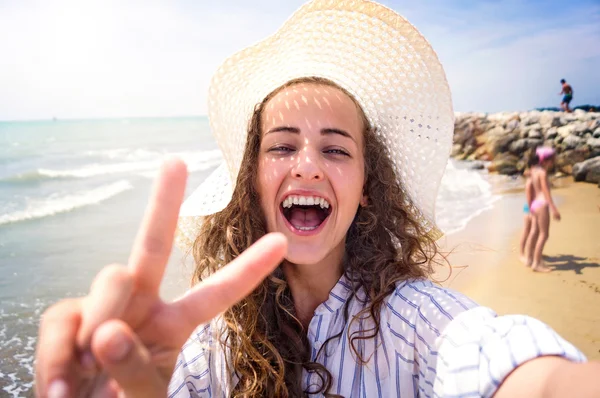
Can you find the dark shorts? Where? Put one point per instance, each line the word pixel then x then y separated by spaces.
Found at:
pixel 567 98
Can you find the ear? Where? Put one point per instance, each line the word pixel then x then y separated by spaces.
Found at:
pixel 364 201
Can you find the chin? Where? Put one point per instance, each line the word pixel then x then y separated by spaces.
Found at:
pixel 304 255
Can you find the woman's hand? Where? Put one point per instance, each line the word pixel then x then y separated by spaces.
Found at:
pixel 122 339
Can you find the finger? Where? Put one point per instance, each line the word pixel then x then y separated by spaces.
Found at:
pixel 127 361
pixel 56 353
pixel 109 296
pixel 154 240
pixel 233 282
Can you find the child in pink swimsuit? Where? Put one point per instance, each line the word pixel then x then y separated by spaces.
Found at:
pixel 540 208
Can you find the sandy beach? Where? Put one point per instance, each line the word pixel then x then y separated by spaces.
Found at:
pixel 485 264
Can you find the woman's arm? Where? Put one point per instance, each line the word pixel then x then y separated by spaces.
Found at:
pixel 551 377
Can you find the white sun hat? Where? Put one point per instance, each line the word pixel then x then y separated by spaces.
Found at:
pixel 370 51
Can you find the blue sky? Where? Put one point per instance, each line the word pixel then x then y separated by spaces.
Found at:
pixel 74 59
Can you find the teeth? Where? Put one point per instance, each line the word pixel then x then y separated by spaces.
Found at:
pixel 305 201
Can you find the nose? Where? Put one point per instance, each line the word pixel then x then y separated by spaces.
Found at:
pixel 307 167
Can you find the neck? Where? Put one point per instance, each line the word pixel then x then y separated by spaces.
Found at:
pixel 310 284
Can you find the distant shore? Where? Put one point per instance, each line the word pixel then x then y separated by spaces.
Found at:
pixel 486 265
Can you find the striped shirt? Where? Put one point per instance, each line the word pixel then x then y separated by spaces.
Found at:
pixel 433 342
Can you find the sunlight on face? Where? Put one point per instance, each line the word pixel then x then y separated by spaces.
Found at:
pixel 311 169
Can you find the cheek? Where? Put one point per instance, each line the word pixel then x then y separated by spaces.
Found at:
pixel 269 181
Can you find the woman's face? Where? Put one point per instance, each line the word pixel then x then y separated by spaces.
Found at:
pixel 311 169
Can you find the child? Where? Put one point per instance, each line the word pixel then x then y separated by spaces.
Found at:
pixel 313 244
pixel 527 218
pixel 541 206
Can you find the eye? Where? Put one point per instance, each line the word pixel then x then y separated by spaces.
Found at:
pixel 336 151
pixel 281 149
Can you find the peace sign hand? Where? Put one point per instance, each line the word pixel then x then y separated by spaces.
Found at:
pixel 122 339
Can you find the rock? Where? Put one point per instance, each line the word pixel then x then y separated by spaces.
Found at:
pixel 581 170
pixel 537 134
pixel 512 124
pixel 518 147
pixel 477 166
pixel 572 142
pixel 594 142
pixel 456 150
pixel 501 144
pixel 566 160
pixel 565 131
pixel 505 164
pixel 596 133
pixel 551 133
pixel 581 128
pixel 532 118
pixel 593 176
pixel 496 131
pixel 548 119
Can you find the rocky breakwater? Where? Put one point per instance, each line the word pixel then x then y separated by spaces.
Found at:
pixel 506 139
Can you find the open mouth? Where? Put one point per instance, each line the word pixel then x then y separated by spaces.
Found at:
pixel 305 213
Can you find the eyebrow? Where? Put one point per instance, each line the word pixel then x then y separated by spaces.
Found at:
pixel 295 130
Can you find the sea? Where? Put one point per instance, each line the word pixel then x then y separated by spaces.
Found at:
pixel 72 194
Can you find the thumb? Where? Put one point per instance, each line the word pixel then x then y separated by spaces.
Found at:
pixel 127 361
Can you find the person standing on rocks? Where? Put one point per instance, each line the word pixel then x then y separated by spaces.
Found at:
pixel 540 208
pixel 567 93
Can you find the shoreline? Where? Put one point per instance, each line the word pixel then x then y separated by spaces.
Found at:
pixel 486 267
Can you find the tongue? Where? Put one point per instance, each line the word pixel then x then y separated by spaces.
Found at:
pixel 304 217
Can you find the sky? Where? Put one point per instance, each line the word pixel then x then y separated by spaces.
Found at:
pixel 148 58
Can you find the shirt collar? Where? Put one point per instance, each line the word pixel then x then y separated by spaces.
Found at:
pixel 337 297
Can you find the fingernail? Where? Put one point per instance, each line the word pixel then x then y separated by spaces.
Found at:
pixel 118 347
pixel 88 362
pixel 58 389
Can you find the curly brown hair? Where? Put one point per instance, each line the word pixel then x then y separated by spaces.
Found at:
pixel 266 345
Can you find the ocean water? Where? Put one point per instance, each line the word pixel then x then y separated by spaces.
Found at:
pixel 72 194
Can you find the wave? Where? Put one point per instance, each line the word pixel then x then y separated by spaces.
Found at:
pixel 463 195
pixel 55 205
pixel 196 161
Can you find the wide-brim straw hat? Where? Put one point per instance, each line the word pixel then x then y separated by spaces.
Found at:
pixel 370 51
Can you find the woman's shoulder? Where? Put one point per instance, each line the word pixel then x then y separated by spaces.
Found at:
pixel 424 307
pixel 425 295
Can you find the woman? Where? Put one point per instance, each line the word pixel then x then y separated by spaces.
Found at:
pixel 335 134
pixel 541 206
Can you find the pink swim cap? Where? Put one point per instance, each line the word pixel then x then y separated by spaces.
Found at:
pixel 544 152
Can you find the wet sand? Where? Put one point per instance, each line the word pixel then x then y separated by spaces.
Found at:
pixel 486 264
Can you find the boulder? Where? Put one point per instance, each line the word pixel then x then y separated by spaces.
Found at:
pixel 456 150
pixel 505 164
pixel 499 144
pixel 593 176
pixel 572 142
pixel 477 166
pixel 512 124
pixel 565 131
pixel 518 147
pixel 535 134
pixel 590 166
pixel 565 160
pixel 594 142
pixel 549 119
pixel 581 128
pixel 551 133
pixel 531 118
pixel 596 133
